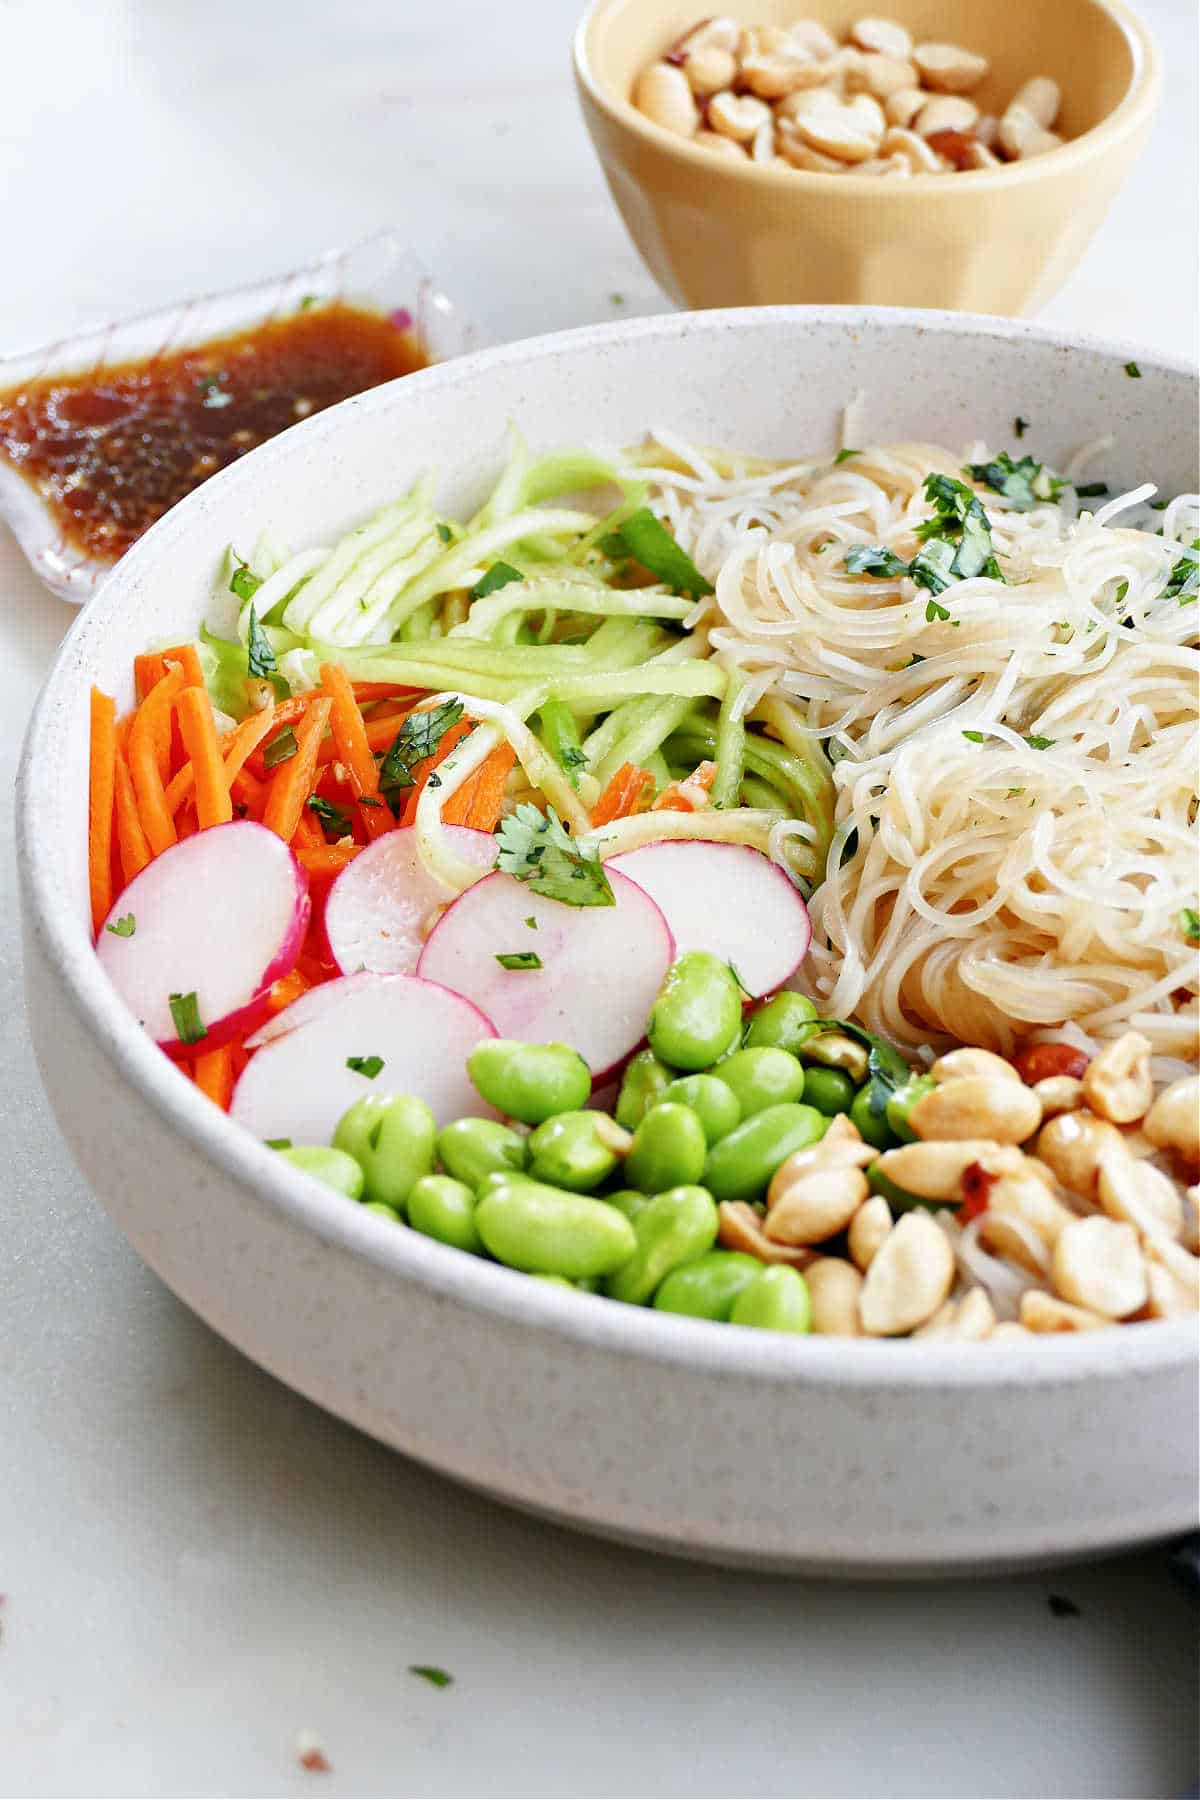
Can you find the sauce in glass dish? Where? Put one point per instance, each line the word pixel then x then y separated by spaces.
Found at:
pixel 110 450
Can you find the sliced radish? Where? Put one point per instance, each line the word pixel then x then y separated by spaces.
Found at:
pixel 309 1006
pixel 300 1083
pixel 380 905
pixel 729 899
pixel 601 966
pixel 220 916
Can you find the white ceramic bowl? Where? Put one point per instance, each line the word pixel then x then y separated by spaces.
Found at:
pixel 741 1446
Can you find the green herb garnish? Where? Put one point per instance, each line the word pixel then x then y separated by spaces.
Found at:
pixel 124 927
pixel 365 1065
pixel 416 740
pixel 1092 490
pixel 956 543
pixel 332 818
pixel 1189 924
pixel 976 737
pixel 532 922
pixel 278 1143
pixel 244 582
pixel 282 746
pixel 1040 743
pixel 1183 583
pixel 260 657
pixel 498 576
pixel 308 300
pixel 185 1011
pixel 444 532
pixel 438 1678
pixel 866 559
pixel 934 612
pixel 542 852
pixel 844 456
pixel 1020 426
pixel 1022 483
pixel 519 959
pixel 1133 372
pixel 646 539
pixel 616 299
pixel 886 1068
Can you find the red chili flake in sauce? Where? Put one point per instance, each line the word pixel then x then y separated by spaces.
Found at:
pixel 111 450
pixel 976 1187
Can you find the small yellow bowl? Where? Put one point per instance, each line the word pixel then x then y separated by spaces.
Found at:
pixel 718 233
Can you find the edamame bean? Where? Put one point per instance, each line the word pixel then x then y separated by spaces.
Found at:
pixel 831 1091
pixel 707 1287
pixel 713 1103
pixel 674 1228
pixel 576 1150
pixel 548 1231
pixel 698 1012
pixel 332 1168
pixel 776 1300
pixel 669 1148
pixel 643 1085
pixel 530 1082
pixel 384 1212
pixel 901 1102
pixel 441 1207
pixel 469 1149
pixel 742 1164
pixel 762 1076
pixel 782 1023
pixel 629 1201
pixel 499 1178
pixel 872 1127
pixel 392 1138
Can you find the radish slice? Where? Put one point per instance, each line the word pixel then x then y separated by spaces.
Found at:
pixel 220 916
pixel 380 905
pixel 309 1006
pixel 601 966
pixel 729 899
pixel 300 1083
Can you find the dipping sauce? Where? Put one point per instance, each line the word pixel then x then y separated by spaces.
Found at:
pixel 111 450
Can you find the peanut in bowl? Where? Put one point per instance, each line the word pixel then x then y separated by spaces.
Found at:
pixel 727 213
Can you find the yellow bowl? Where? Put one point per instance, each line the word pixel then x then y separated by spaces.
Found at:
pixel 720 233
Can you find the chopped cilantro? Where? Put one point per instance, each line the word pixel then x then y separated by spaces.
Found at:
pixel 438 1678
pixel 365 1065
pixel 542 852
pixel 260 657
pixel 616 299
pixel 282 746
pixel 416 740
pixel 865 559
pixel 332 818
pixel 532 922
pixel 124 927
pixel 1133 372
pixel 1020 426
pixel 368 800
pixel 308 300
pixel 1022 483
pixel 1040 743
pixel 185 1011
pixel 976 737
pixel 933 612
pixel 519 959
pixel 1092 490
pixel 244 582
pixel 445 533
pixel 956 543
pixel 278 1143
pixel 844 456
pixel 1183 583
pixel 498 576
pixel 1189 924
pixel 647 540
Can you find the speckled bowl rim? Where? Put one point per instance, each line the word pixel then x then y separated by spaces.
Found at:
pixel 1123 122
pixel 489 1288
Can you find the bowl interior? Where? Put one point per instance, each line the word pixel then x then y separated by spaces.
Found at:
pixel 1083 44
pixel 772 381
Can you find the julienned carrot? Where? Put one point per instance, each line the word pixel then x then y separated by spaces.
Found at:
pixel 289 988
pixel 293 780
pixel 350 737
pixel 148 671
pixel 188 658
pixel 101 788
pixel 248 791
pixel 630 790
pixel 235 748
pixel 329 859
pixel 131 839
pixel 478 801
pixel 196 722
pixel 421 771
pixel 366 691
pixel 381 730
pixel 214 1076
pixel 144 765
pixel 308 834
pixel 690 795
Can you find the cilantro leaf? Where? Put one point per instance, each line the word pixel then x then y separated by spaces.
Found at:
pixel 260 657
pixel 886 1068
pixel 1040 743
pixel 365 1065
pixel 867 559
pixel 244 582
pixel 1189 924
pixel 445 533
pixel 416 740
pixel 976 737
pixel 124 927
pixel 439 1678
pixel 1133 372
pixel 498 576
pixel 543 853
pixel 278 1143
pixel 185 1012
pixel 1020 426
pixel 532 922
pixel 281 748
pixel 844 456
pixel 646 539
pixel 1092 490
pixel 332 817
pixel 519 959
pixel 1022 483
pixel 1183 583
pixel 934 612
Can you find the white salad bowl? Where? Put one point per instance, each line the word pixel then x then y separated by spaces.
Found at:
pixel 746 1447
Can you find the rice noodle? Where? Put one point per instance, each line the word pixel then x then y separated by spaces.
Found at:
pixel 987 887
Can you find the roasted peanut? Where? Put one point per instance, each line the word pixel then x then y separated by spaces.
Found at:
pixel 868 1229
pixel 799 155
pixel 1173 1121
pixel 935 1171
pixel 1059 1094
pixel 956 1065
pixel 774 75
pixel 882 35
pixel 1098 1264
pixel 1117 1084
pixel 850 131
pixel 1166 1296
pixel 741 1228
pixel 834 1287
pixel 720 33
pixel 977 1106
pixel 902 108
pixel 1046 1313
pixel 709 69
pixel 1139 1194
pixel 945 112
pixel 813 1207
pixel 1021 136
pixel 1037 1062
pixel 948 68
pixel 663 95
pixel 968 1320
pixel 737 116
pixel 880 76
pixel 922 160
pixel 1021 1206
pixel 1041 98
pixel 834 1049
pixel 1072 1146
pixel 909 1277
pixel 1008 1330
pixel 722 146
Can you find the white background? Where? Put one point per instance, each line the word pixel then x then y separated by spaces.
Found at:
pixel 197 1565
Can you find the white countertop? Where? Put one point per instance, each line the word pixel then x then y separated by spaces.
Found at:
pixel 197 1566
